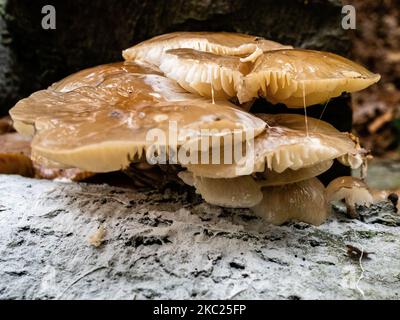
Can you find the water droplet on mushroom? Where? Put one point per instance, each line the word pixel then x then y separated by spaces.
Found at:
pixel 351 74
pixel 160 117
pixel 141 115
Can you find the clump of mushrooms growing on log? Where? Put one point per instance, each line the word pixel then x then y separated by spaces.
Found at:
pixel 178 106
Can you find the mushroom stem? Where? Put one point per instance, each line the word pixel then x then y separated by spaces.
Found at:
pixel 351 211
pixel 304 201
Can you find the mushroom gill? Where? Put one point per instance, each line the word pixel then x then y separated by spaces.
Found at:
pixel 294 77
pixel 355 192
pixel 299 78
pixel 233 44
pixel 69 174
pixel 285 144
pixel 102 126
pixel 204 73
pixel 303 201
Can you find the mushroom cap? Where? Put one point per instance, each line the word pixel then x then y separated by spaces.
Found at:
pixel 239 192
pixel 273 178
pixel 15 143
pixel 15 152
pixel 14 155
pixel 299 78
pixel 85 89
pixel 304 201
pixel 283 145
pixel 101 125
pixel 96 75
pixel 294 77
pixel 6 125
pixel 353 190
pixel 223 43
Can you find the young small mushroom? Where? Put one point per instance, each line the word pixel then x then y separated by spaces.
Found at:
pixel 303 201
pixel 224 43
pixel 355 192
pixel 103 127
pixel 352 190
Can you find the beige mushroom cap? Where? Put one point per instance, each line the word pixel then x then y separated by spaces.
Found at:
pixel 284 145
pixel 353 190
pixel 84 89
pixel 356 192
pixel 295 77
pixel 239 192
pixel 304 77
pixel 245 191
pixel 15 158
pixel 15 155
pixel 223 43
pixel 6 125
pixel 303 201
pixel 272 178
pixel 101 125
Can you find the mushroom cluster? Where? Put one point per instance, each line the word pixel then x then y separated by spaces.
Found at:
pixel 182 100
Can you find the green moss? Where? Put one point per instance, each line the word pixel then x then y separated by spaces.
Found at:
pixel 330 239
pixel 367 234
pixel 2 8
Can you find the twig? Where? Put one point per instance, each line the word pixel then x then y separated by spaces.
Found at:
pixel 236 294
pixel 105 197
pixel 362 272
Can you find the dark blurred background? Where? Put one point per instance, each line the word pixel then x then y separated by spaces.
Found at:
pixel 93 32
pixel 376 44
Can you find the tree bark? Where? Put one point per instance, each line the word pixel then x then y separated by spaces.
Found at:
pixel 172 245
